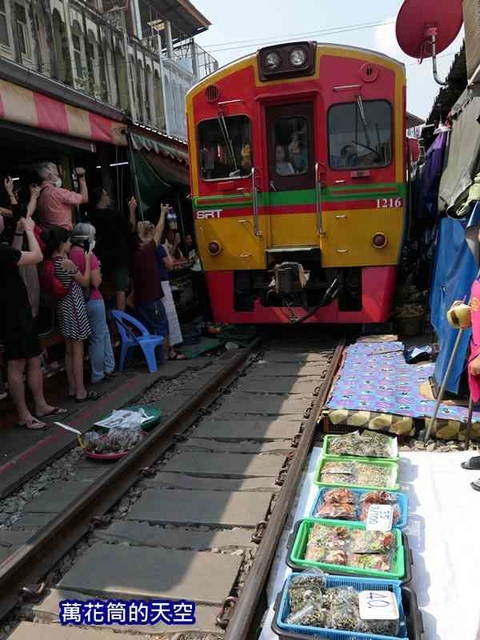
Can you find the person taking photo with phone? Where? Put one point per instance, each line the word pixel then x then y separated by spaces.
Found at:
pixel 55 202
pixel 18 330
pixel 100 351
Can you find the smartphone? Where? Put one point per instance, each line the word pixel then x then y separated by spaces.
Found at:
pixel 86 246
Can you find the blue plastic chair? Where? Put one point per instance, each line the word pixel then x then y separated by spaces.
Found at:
pixel 146 341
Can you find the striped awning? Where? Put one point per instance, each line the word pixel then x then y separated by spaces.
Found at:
pixel 22 106
pixel 164 147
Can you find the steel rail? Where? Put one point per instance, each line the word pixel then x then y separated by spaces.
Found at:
pixel 239 627
pixel 21 573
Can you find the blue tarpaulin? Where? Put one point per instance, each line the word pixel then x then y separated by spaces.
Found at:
pixel 455 270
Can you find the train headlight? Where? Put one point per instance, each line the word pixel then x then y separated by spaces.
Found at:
pixel 214 248
pixel 272 61
pixel 379 241
pixel 298 57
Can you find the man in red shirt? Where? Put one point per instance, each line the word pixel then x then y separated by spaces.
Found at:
pixel 55 203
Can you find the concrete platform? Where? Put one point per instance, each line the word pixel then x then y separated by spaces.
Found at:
pixel 136 572
pixel 24 453
pixel 233 465
pixel 184 481
pixel 214 508
pixel 291 385
pixel 146 535
pixel 251 403
pixel 48 609
pixel 257 429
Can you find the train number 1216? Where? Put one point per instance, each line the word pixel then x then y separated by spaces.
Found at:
pixel 389 203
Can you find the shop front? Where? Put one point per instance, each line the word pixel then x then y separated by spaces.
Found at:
pixel 160 175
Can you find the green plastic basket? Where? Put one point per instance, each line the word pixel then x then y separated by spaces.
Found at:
pixel 297 552
pixel 326 447
pixel 389 464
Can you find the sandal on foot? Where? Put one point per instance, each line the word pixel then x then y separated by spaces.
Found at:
pixel 56 411
pixel 177 356
pixel 32 425
pixel 91 395
pixel 473 463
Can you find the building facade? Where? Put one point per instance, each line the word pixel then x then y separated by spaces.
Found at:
pixel 138 58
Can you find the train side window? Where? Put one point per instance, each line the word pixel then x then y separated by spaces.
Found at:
pixel 225 147
pixel 291 146
pixel 360 135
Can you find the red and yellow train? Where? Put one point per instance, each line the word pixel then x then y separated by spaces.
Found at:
pixel 298 179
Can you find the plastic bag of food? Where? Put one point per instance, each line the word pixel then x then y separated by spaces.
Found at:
pixel 343 468
pixel 370 475
pixel 305 588
pixel 342 608
pixel 372 561
pixel 339 496
pixel 343 511
pixel 337 478
pixel 371 541
pixel 311 615
pixel 379 497
pixel 379 627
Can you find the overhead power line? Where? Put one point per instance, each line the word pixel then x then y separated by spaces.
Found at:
pixel 244 44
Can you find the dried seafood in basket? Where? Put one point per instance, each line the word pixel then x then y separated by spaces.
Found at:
pixel 115 441
pixel 361 541
pixel 339 496
pixel 342 468
pixel 379 497
pixel 370 475
pixel 370 561
pixel 304 589
pixel 343 511
pixel 312 615
pixel 365 445
pixel 337 478
pixel 313 604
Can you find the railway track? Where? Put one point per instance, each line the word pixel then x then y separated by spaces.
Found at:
pixel 194 513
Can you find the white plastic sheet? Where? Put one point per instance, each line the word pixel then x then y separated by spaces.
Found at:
pixel 444 514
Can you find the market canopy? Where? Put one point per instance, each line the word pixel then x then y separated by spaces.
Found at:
pixel 33 109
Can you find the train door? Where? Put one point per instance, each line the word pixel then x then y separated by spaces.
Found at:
pixel 291 171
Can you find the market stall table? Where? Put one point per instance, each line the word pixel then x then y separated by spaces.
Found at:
pixel 443 512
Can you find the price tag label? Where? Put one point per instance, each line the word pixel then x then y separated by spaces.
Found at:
pixel 377 605
pixel 379 517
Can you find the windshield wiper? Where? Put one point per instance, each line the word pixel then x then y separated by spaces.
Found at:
pixel 228 141
pixel 368 146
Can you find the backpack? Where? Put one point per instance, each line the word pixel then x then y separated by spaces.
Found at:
pixel 49 282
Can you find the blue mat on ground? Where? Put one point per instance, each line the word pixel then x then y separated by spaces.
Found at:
pixel 375 377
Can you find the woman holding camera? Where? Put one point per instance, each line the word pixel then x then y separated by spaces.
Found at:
pixel 72 314
pixel 100 351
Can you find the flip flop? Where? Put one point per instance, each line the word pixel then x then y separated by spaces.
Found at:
pixel 476 485
pixel 91 395
pixel 56 411
pixel 177 356
pixel 473 463
pixel 32 425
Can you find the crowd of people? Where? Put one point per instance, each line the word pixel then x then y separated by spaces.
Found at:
pixel 42 251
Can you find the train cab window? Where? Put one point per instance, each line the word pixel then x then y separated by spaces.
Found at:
pixel 225 147
pixel 291 146
pixel 360 135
